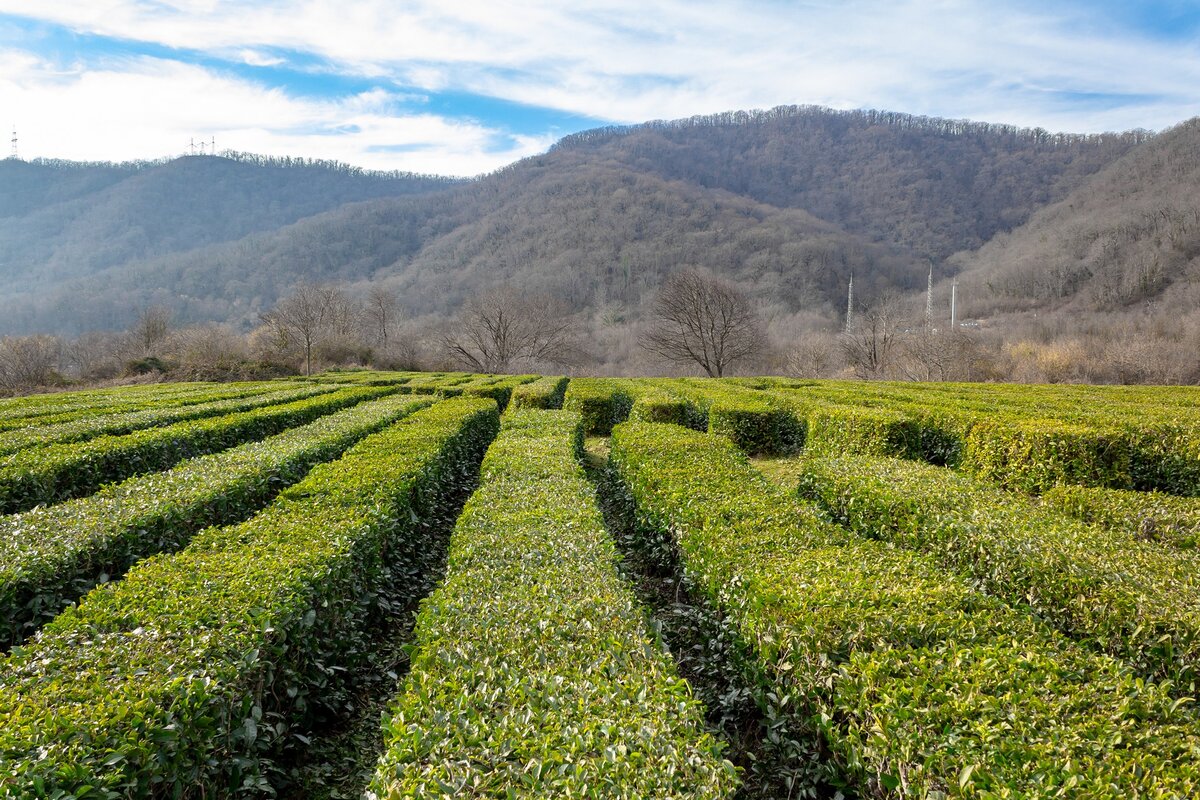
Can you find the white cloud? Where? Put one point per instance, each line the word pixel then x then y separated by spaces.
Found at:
pixel 630 61
pixel 256 58
pixel 150 107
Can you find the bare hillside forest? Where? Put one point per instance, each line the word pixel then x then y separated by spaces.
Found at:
pixel 1070 258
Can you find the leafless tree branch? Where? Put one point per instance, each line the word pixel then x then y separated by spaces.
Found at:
pixel 309 315
pixel 703 320
pixel 501 328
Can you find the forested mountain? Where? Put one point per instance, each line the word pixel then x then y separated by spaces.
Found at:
pixel 594 236
pixel 789 203
pixel 933 186
pixel 29 186
pixel 61 220
pixel 1129 239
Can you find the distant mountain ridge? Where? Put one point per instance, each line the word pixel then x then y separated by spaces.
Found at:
pixel 953 183
pixel 60 220
pixel 787 202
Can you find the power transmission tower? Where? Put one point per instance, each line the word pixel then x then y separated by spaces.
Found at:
pixel 193 148
pixel 14 154
pixel 929 301
pixel 850 303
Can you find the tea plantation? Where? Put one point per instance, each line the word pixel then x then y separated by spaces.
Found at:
pixel 434 585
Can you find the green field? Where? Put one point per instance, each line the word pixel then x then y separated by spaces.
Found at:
pixel 418 585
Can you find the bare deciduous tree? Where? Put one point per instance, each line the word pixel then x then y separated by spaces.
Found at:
pixel 381 312
pixel 929 355
pixel 703 320
pixel 942 355
pixel 210 351
pixel 28 361
pixel 151 329
pixel 503 327
pixel 95 356
pixel 309 315
pixel 813 355
pixel 870 344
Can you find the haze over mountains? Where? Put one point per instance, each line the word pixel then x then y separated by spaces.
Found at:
pixel 788 203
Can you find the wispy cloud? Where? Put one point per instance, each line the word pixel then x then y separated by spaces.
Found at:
pixel 148 107
pixel 462 87
pixel 258 58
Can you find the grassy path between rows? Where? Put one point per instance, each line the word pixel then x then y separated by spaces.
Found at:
pixel 765 746
pixel 339 763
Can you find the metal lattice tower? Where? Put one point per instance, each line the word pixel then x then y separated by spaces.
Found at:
pixel 850 303
pixel 929 301
pixel 14 153
pixel 194 148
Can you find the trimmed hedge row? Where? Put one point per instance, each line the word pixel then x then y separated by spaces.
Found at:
pixel 30 406
pixel 1130 598
pixel 1031 438
pixel 533 673
pixel 1165 456
pixel 1116 452
pixel 1024 453
pixel 198 673
pixel 58 472
pixel 858 429
pixel 746 416
pixel 499 389
pixel 660 405
pixel 1001 433
pixel 545 392
pixel 601 402
pixel 436 382
pixel 452 385
pixel 774 422
pixel 933 421
pixel 53 555
pixel 1080 404
pixel 155 416
pixel 919 685
pixel 875 431
pixel 1035 455
pixel 365 377
pixel 114 403
pixel 1151 516
pixel 944 430
pixel 771 422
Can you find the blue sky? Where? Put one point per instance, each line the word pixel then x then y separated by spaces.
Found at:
pixel 463 88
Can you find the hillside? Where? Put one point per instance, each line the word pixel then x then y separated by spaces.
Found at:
pixel 598 237
pixel 931 186
pixel 1128 239
pixel 60 220
pixel 788 202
